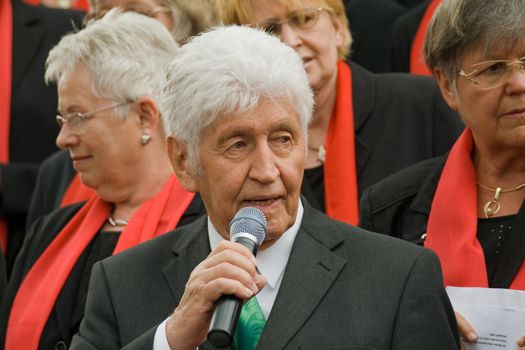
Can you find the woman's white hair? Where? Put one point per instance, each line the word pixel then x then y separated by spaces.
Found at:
pixel 126 54
pixel 227 71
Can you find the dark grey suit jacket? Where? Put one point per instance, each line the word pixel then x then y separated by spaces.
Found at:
pixel 343 288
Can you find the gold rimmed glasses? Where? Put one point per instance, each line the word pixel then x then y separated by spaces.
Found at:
pixel 303 19
pixel 77 121
pixel 494 73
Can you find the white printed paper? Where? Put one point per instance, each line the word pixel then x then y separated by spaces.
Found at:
pixel 497 315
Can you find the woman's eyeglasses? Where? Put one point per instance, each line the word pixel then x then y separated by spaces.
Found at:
pixel 299 20
pixel 77 121
pixel 491 74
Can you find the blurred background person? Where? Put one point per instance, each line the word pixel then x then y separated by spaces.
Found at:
pixel 407 38
pixel 469 206
pixel 365 126
pixel 57 183
pixel 27 107
pixel 109 76
pixel 183 18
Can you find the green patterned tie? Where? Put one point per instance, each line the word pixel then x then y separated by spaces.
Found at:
pixel 249 327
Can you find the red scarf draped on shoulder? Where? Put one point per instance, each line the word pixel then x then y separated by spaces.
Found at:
pixel 340 179
pixel 6 49
pixel 452 224
pixel 40 288
pixel 417 66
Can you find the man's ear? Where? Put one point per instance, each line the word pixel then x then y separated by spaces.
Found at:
pixel 447 89
pixel 180 163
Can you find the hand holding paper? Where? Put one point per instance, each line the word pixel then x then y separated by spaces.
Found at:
pixel 496 316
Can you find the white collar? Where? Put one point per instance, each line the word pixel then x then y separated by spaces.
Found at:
pixel 272 260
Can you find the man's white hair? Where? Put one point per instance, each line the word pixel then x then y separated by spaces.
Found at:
pixel 227 71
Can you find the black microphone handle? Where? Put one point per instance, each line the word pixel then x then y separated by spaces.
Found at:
pixel 227 309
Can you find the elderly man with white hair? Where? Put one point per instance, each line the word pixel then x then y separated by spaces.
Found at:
pixel 236 108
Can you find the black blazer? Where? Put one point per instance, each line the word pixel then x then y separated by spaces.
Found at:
pixel 53 179
pixel 33 128
pixel 402 36
pixel 342 288
pixel 58 329
pixel 399 120
pixel 400 206
pixel 370 23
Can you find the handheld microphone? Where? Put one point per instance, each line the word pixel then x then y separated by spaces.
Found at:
pixel 248 227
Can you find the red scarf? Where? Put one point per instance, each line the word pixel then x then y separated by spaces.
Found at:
pixel 452 224
pixel 81 5
pixel 40 288
pixel 76 192
pixel 6 56
pixel 417 66
pixel 340 179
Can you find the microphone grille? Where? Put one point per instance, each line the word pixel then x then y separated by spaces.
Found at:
pixel 249 220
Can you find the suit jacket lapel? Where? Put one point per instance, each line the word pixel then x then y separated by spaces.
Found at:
pixel 363 96
pixel 191 247
pixel 311 270
pixel 28 34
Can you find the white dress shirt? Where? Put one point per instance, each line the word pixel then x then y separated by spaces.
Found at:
pixel 271 263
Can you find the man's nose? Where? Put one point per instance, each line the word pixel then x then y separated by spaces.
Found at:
pixel 264 168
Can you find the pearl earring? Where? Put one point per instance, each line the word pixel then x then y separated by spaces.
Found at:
pixel 145 138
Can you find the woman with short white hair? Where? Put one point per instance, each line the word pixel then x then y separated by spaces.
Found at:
pixel 109 77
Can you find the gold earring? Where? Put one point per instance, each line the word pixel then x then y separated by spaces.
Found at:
pixel 145 138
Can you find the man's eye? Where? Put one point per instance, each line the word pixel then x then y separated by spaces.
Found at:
pixel 285 139
pixel 238 145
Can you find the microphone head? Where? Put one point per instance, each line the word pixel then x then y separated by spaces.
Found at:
pixel 249 220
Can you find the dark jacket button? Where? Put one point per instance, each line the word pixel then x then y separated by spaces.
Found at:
pixel 61 345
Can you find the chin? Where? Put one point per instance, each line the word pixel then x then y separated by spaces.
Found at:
pixel 88 181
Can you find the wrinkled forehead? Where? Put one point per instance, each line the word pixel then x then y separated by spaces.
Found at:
pixel 274 113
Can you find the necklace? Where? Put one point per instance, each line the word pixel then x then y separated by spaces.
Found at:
pixel 321 152
pixel 492 207
pixel 117 222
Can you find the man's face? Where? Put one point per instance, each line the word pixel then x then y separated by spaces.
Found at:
pixel 255 159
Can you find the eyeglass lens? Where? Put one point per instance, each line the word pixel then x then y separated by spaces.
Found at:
pixel 491 74
pixel 301 19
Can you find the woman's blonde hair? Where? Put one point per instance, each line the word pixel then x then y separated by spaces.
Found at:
pixel 241 12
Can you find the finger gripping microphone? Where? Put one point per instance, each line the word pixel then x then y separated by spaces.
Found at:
pixel 248 228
